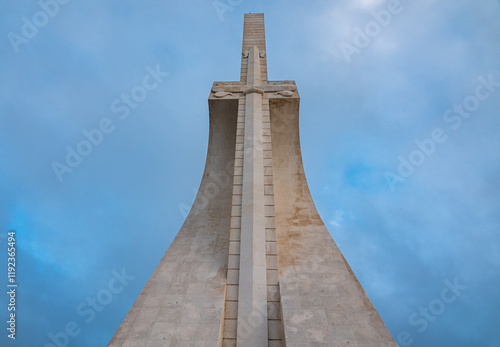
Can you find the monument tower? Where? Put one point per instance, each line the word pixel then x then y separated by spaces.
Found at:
pixel 253 265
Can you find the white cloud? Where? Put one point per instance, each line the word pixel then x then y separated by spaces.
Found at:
pixel 338 217
pixel 368 4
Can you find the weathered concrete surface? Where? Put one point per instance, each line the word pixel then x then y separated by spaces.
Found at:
pixel 252 299
pixel 182 302
pixel 322 301
pixel 253 265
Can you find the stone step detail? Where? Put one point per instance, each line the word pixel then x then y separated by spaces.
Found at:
pixel 252 308
pixel 252 296
pixel 274 316
pixel 218 284
pixel 230 315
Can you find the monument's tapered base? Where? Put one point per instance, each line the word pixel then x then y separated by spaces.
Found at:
pixel 253 265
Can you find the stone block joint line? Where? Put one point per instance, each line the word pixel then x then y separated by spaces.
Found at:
pixel 253 264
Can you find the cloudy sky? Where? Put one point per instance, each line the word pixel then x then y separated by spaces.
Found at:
pixel 400 128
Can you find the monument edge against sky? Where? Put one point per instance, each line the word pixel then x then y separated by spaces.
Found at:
pixel 253 264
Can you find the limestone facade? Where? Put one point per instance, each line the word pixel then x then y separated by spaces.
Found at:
pixel 253 265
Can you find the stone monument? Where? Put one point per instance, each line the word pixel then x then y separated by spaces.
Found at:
pixel 253 265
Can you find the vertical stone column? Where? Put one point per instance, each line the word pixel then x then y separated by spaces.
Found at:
pixel 274 321
pixel 254 34
pixel 252 299
pixel 276 278
pixel 230 319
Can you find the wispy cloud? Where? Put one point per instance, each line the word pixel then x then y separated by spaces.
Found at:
pixel 120 208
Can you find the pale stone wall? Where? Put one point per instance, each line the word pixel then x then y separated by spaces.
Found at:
pixel 253 265
pixel 232 285
pixel 274 323
pixel 182 302
pixel 254 34
pixel 322 301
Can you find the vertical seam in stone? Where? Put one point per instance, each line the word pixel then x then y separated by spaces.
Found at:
pixel 252 302
pixel 254 34
pixel 230 311
pixel 275 323
pixel 252 297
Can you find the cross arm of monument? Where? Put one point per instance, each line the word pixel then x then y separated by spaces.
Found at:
pixel 240 267
pixel 277 89
pixel 253 78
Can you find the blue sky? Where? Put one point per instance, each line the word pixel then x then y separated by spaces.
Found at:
pixel 399 131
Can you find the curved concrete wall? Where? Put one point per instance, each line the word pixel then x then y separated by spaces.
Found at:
pixel 253 265
pixel 182 303
pixel 322 302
